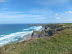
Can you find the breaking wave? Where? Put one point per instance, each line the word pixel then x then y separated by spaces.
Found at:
pixel 17 36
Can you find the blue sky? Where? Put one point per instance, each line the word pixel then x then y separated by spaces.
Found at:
pixel 35 11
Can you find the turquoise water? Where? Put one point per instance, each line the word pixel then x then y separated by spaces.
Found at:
pixel 10 33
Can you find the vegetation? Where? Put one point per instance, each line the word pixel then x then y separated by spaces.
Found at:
pixel 59 43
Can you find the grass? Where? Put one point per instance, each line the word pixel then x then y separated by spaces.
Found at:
pixel 60 43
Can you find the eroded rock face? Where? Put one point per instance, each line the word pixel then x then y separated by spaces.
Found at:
pixel 52 26
pixel 49 30
pixel 35 34
pixel 45 33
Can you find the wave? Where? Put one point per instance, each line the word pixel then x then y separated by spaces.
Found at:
pixel 34 27
pixel 13 37
pixel 1 35
pixel 25 29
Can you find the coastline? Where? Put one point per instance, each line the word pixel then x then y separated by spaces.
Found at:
pixel 25 38
pixel 54 38
pixel 29 36
pixel 45 30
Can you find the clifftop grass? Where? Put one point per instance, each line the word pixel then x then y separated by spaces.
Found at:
pixel 59 43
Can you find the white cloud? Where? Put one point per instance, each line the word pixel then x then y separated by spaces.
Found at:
pixel 68 12
pixel 52 2
pixel 41 11
pixel 4 13
pixel 20 15
pixel 2 0
pixel 56 14
pixel 58 18
pixel 64 15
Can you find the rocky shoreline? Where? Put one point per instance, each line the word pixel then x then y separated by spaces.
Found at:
pixel 29 36
pixel 48 30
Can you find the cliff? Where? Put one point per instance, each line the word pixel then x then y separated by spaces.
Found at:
pixel 49 30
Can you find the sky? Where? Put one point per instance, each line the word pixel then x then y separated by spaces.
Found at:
pixel 35 11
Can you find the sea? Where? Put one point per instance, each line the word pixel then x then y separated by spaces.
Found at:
pixel 12 33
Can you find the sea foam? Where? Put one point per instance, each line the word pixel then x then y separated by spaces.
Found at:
pixel 14 37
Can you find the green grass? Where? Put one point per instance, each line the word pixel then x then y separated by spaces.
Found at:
pixel 60 43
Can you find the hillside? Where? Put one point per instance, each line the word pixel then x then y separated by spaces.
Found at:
pixel 59 43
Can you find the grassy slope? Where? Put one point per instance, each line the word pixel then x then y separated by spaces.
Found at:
pixel 60 43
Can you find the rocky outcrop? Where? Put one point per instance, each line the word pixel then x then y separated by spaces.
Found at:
pixel 35 34
pixel 53 26
pixel 49 30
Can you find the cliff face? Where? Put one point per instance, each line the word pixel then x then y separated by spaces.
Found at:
pixel 35 34
pixel 49 30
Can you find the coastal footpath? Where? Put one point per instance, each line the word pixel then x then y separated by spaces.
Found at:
pixel 53 39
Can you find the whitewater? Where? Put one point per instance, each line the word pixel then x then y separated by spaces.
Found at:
pixel 16 36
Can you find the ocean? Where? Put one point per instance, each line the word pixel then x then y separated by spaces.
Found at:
pixel 11 33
